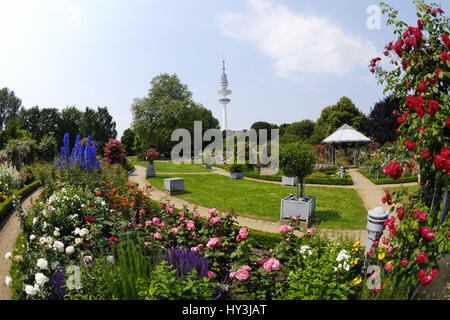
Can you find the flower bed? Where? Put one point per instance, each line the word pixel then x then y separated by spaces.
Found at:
pixel 383 179
pixel 103 238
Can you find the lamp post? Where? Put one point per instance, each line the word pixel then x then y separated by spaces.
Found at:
pixel 375 225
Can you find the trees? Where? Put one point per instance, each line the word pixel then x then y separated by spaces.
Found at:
pixel 381 122
pixel 128 141
pixel 99 125
pixel 168 106
pixel 9 106
pixel 303 129
pixel 335 116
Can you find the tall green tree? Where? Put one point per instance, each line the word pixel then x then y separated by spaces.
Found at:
pixel 335 116
pixel 9 106
pixel 71 119
pixel 381 122
pixel 128 141
pixel 99 125
pixel 30 120
pixel 168 106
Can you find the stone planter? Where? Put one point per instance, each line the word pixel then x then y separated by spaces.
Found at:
pixel 302 207
pixel 150 172
pixel 237 175
pixel 342 172
pixel 289 181
pixel 174 186
pixel 208 166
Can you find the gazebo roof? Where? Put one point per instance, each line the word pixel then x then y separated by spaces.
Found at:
pixel 346 134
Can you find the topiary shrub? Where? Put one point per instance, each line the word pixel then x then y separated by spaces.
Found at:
pixel 114 152
pixel 298 160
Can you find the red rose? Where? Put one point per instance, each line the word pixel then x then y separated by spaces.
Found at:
pixel 440 162
pixel 437 72
pixel 410 145
pixel 394 170
pixel 421 258
pixel 398 47
pixel 446 40
pixel 448 122
pixel 426 154
pixel 400 120
pixel 421 87
pixel 445 57
pixel 420 112
pixel 445 153
pixel 433 107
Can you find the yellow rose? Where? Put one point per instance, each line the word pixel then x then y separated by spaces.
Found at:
pixel 357 280
pixel 381 256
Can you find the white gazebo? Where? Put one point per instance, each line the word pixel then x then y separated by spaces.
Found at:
pixel 346 135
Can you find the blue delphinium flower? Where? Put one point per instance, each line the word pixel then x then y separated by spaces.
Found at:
pixel 85 158
pixel 184 261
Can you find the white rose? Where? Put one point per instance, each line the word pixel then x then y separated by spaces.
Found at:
pixel 18 258
pixel 35 220
pixel 110 259
pixel 30 290
pixel 40 278
pixel 49 240
pixel 83 232
pixel 58 245
pixel 77 231
pixel 8 255
pixel 8 281
pixel 42 264
pixel 56 233
pixel 42 241
pixel 45 213
pixel 78 241
pixel 70 250
pixel 32 237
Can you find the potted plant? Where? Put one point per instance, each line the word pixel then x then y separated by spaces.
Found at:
pixel 298 160
pixel 236 171
pixel 151 155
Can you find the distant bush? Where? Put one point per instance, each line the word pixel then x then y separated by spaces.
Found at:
pixel 48 148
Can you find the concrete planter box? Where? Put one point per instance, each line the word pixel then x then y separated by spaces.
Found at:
pixel 174 186
pixel 150 172
pixel 302 207
pixel 237 175
pixel 289 181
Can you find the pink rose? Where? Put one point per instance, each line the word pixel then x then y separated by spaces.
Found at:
pixel 261 261
pixel 285 229
pixel 272 264
pixel 388 267
pixel 212 212
pixel 404 262
pixel 247 268
pixel 210 274
pixel 174 230
pixel 170 210
pixel 242 274
pixel 156 221
pixel 213 242
pixel 157 236
pixel 196 214
pixel 190 225
pixel 421 258
pixel 390 250
pixel 232 275
pixel 215 220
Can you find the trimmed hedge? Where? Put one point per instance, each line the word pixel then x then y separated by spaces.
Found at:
pixel 387 180
pixel 327 181
pixel 7 205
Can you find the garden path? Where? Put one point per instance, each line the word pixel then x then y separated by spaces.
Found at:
pixel 9 230
pixel 138 176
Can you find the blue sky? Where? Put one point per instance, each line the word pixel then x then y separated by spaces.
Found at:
pixel 286 60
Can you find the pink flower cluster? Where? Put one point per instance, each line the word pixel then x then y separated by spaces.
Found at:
pixel 272 265
pixel 387 198
pixel 393 170
pixel 421 216
pixel 421 258
pixel 427 233
pixel 285 229
pixel 243 234
pixel 213 242
pixel 242 274
pixel 392 226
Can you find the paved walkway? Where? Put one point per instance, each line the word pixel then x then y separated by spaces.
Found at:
pixel 9 230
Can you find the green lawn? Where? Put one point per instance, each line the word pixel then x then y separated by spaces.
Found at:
pixel 337 208
pixel 410 189
pixel 169 166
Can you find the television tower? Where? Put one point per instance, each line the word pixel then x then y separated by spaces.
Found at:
pixel 224 92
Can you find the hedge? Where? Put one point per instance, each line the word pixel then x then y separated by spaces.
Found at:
pixel 387 180
pixel 327 181
pixel 7 206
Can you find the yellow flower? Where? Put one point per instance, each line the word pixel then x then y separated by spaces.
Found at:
pixel 381 256
pixel 357 244
pixel 357 280
pixel 355 261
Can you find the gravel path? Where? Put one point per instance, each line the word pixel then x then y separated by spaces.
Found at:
pixel 9 230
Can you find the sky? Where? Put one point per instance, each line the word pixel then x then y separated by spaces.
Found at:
pixel 286 60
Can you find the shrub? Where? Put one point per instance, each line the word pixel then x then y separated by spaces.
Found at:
pixel 48 148
pixel 21 151
pixel 114 152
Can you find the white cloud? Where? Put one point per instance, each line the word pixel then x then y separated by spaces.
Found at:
pixel 301 45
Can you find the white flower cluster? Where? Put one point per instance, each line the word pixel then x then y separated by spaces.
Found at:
pixel 9 177
pixel 305 251
pixel 343 258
